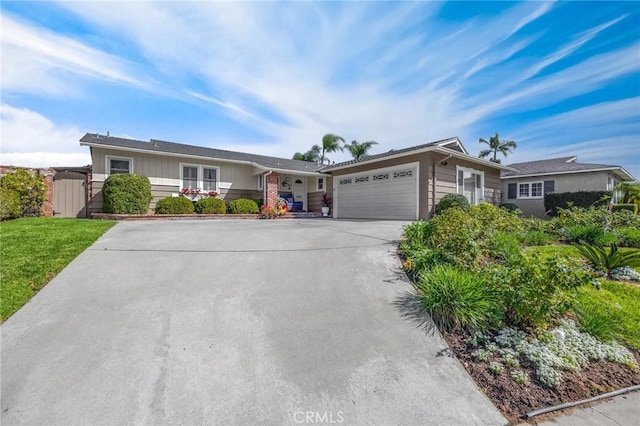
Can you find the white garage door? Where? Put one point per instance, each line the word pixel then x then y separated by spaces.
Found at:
pixel 389 193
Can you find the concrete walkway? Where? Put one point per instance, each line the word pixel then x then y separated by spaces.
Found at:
pixel 233 322
pixel 623 410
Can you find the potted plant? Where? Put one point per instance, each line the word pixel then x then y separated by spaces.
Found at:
pixel 326 204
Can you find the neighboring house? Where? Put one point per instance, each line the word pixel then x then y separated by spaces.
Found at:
pixel 399 184
pixel 527 185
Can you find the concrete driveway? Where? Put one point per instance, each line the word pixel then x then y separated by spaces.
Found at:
pixel 233 322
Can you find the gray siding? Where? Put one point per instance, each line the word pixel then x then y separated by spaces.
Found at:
pixel 571 182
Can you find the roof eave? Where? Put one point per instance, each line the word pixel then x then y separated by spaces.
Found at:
pixel 601 169
pixel 473 159
pixel 199 157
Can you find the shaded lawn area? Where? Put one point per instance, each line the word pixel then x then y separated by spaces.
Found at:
pixel 621 299
pixel 34 250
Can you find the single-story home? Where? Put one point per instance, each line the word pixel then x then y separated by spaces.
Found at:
pixel 399 184
pixel 526 185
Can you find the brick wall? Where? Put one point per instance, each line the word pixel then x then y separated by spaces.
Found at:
pixel 47 207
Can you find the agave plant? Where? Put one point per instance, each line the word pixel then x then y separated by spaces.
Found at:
pixel 607 260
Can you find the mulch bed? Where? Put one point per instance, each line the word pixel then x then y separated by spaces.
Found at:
pixel 515 401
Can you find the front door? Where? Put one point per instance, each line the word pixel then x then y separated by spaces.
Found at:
pixel 299 190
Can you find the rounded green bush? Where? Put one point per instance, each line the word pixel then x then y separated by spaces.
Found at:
pixel 174 205
pixel 30 188
pixel 126 194
pixel 211 205
pixel 10 207
pixel 243 206
pixel 452 200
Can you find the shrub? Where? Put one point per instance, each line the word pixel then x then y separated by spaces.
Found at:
pixel 452 200
pixel 629 237
pixel 126 194
pixel 630 207
pixel 210 205
pixel 458 299
pixel 174 205
pixel 563 200
pixel 10 207
pixel 536 290
pixel 505 246
pixel 510 207
pixel 423 259
pixel 492 218
pixel 592 234
pixel 419 233
pixel 29 187
pixel 601 260
pixel 598 321
pixel 243 206
pixel 456 234
pixel 535 238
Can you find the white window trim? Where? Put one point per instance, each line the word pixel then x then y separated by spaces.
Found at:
pixel 201 175
pixel 260 182
pixel 480 197
pixel 107 165
pixel 530 197
pixel 324 184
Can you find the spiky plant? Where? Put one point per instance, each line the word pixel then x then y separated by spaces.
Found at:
pixel 607 260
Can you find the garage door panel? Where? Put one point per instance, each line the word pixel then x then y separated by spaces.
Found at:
pixel 380 194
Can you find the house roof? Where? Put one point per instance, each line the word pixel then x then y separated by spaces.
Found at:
pixel 155 146
pixel 562 165
pixel 450 146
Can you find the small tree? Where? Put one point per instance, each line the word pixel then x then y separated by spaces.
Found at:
pixel 496 146
pixel 312 155
pixel 30 188
pixel 630 192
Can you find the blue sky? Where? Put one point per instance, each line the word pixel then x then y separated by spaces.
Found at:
pixel 560 78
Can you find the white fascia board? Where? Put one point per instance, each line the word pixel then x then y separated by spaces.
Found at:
pixel 473 159
pixel 604 169
pixel 385 158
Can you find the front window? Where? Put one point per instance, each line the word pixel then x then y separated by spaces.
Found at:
pixel 321 184
pixel 530 190
pixel 117 165
pixel 209 179
pixel 203 178
pixel 189 177
pixel 471 184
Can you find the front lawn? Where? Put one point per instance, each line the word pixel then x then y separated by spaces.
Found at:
pixel 34 250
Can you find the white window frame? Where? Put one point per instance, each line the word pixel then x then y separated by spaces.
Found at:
pixel 324 184
pixel 260 182
pixel 107 163
pixel 530 190
pixel 200 176
pixel 479 197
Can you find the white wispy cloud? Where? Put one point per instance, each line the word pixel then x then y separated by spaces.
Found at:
pixel 30 139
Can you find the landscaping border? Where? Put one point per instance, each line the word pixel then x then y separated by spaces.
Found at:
pixel 111 216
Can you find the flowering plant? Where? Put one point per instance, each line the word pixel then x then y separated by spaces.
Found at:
pixel 193 192
pixel 268 212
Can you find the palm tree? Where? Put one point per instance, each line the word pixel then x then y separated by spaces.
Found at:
pixel 313 155
pixel 359 150
pixel 330 143
pixel 495 147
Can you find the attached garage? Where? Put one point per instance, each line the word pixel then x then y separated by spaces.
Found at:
pixel 387 193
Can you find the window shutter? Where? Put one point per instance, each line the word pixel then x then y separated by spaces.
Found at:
pixel 549 186
pixel 512 192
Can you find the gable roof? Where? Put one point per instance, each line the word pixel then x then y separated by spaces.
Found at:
pixel 159 147
pixel 450 146
pixel 561 165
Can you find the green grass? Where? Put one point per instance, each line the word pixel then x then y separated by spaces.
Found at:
pixel 622 301
pixel 34 250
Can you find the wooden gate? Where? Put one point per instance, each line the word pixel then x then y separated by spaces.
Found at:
pixel 70 194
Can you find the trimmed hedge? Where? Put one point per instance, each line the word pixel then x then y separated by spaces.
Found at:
pixel 211 205
pixel 619 207
pixel 126 194
pixel 29 187
pixel 452 200
pixel 174 205
pixel 243 206
pixel 565 200
pixel 10 207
